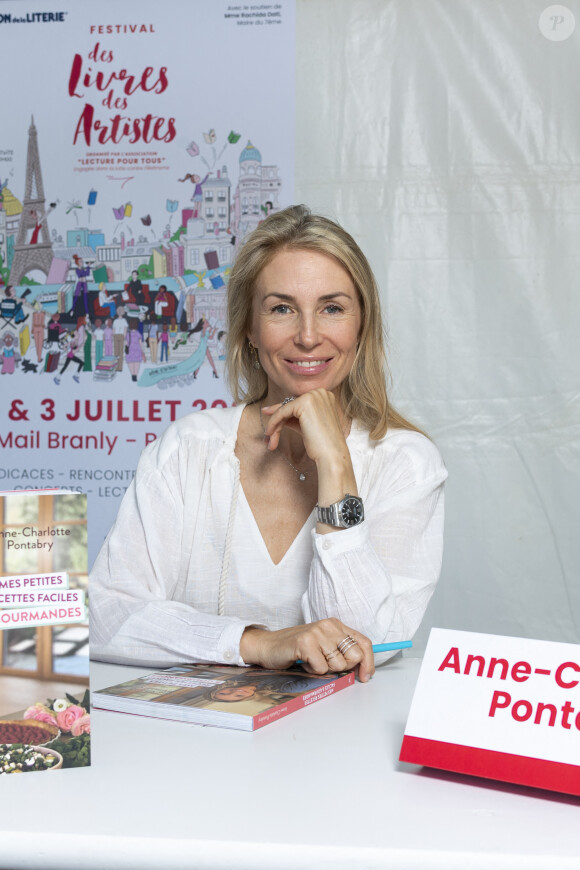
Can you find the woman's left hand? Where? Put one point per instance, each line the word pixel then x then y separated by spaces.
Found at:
pixel 315 416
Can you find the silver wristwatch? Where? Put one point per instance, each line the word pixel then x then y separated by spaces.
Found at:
pixel 342 514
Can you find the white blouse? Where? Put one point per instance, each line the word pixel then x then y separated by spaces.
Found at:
pixel 185 570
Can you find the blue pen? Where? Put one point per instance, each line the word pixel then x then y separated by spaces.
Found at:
pixel 381 647
pixel 385 647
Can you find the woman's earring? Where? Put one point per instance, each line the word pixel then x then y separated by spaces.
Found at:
pixel 254 355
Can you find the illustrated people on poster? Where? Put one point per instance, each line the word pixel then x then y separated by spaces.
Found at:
pixel 82 273
pixel 164 338
pixel 173 331
pixel 135 287
pixel 183 335
pixel 108 337
pixel 266 208
pixel 197 192
pixel 198 326
pixel 10 356
pixel 152 338
pixel 74 347
pixel 54 332
pixel 87 347
pixel 12 306
pixel 38 322
pixel 106 301
pixel 134 348
pixel 179 314
pixel 161 301
pixel 182 370
pixel 145 326
pixel 120 327
pixel 99 336
pixel 210 332
pixel 81 332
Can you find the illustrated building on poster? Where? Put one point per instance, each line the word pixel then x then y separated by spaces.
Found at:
pixel 33 249
pixel 10 211
pixel 257 192
pixel 221 221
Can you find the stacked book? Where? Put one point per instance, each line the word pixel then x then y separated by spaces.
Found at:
pixel 105 369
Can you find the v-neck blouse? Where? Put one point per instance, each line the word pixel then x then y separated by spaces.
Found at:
pixel 185 569
pixel 286 581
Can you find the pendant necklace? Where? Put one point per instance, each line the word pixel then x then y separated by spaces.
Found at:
pixel 302 475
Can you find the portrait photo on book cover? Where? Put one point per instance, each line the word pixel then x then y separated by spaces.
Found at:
pixel 231 689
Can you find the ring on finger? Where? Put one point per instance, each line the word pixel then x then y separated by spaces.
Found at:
pixel 329 655
pixel 288 399
pixel 346 643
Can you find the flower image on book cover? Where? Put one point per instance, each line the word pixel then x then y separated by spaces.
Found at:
pixel 44 632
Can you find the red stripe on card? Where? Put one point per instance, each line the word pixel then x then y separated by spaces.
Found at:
pixel 489 764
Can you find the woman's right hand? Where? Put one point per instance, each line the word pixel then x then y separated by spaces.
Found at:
pixel 315 644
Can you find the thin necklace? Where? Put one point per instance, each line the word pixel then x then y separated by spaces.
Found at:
pixel 302 475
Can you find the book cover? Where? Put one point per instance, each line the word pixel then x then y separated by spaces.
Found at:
pixel 44 631
pixel 221 695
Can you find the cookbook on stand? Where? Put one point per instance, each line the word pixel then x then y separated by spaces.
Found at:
pixel 44 631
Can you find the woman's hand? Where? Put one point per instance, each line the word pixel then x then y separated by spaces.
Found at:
pixel 316 417
pixel 315 644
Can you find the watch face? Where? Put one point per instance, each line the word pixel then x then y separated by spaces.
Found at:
pixel 352 511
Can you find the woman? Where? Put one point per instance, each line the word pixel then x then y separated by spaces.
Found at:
pixel 106 301
pixel 108 336
pixel 38 321
pixel 198 190
pixel 209 332
pixel 75 344
pixel 134 348
pixel 152 336
pixel 135 287
pixel 242 538
pixel 161 301
pixel 99 334
pixel 87 345
pixel 82 272
pixel 164 339
pixel 10 357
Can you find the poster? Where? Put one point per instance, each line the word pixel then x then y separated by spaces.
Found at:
pixel 140 144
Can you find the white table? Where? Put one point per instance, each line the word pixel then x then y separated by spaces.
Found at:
pixel 321 788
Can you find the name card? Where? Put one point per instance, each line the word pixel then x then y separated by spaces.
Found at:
pixel 503 708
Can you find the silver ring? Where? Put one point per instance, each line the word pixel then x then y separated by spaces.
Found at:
pixel 288 399
pixel 346 643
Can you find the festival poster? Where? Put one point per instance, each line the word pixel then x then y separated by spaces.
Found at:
pixel 141 142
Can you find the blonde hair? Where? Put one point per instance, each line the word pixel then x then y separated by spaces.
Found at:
pixel 363 394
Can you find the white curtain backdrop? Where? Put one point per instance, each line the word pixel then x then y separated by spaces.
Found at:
pixel 445 135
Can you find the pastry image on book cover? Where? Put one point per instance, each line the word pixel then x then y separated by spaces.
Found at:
pixel 221 695
pixel 44 631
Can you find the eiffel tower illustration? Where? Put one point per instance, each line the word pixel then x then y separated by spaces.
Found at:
pixel 32 249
